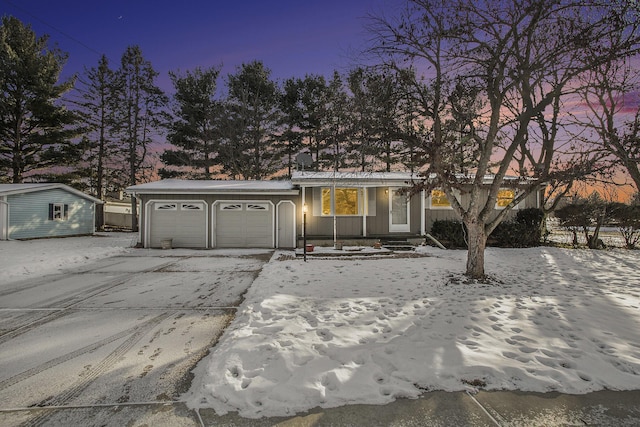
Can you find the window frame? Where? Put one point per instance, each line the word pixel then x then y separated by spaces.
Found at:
pixel 332 201
pixel 439 207
pixel 515 194
pixel 58 212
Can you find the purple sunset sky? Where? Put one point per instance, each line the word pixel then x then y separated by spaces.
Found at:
pixel 292 37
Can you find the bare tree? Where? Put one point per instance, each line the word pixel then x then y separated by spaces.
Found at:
pixel 519 60
pixel 611 120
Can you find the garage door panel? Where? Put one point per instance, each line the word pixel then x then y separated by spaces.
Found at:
pixel 185 222
pixel 244 224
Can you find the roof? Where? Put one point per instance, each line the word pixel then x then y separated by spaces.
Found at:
pixel 11 189
pixel 365 179
pixel 171 186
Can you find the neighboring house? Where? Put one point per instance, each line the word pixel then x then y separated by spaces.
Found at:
pixel 354 206
pixel 30 211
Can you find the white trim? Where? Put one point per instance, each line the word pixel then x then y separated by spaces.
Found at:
pixel 365 210
pixel 60 210
pixel 32 187
pixel 214 222
pixel 146 230
pixel 399 228
pixel 4 218
pixel 423 213
pixel 295 228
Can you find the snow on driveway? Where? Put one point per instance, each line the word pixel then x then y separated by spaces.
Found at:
pixel 82 326
pixel 331 332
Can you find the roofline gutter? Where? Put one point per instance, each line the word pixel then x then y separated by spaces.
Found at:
pixel 216 192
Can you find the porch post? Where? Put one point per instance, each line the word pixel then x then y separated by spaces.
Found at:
pixel 365 206
pixel 303 204
pixel 423 219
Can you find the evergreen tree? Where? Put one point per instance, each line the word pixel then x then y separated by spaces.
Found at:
pixel 96 108
pixel 195 129
pixel 36 131
pixel 309 112
pixel 252 124
pixel 139 115
pixel 335 125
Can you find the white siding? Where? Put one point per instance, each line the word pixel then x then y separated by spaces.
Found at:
pixel 29 215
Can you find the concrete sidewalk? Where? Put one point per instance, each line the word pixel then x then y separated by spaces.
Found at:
pixel 438 408
pixel 605 408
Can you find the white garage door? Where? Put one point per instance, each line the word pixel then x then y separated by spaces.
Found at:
pixel 244 225
pixel 185 222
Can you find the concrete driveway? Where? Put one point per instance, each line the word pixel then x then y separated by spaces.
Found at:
pixel 113 342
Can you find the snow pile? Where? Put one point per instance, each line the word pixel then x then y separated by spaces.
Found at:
pixel 27 258
pixel 332 332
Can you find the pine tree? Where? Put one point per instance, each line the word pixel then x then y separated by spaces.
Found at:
pixel 36 131
pixel 252 124
pixel 139 114
pixel 99 87
pixel 195 128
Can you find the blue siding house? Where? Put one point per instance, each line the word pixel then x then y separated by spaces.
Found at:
pixel 30 211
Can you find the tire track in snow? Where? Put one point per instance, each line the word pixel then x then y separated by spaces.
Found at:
pixel 88 377
pixel 87 349
pixel 75 300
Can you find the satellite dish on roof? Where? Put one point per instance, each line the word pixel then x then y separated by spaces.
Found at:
pixel 304 160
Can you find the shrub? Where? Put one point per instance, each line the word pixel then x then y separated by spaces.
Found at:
pixel 450 233
pixel 523 232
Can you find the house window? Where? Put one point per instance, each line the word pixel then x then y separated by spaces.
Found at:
pixel 257 206
pixel 166 207
pixel 346 201
pixel 505 196
pixel 192 206
pixel 58 212
pixel 230 207
pixel 439 200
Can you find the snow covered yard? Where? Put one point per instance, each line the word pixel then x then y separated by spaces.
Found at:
pixel 331 332
pixel 23 258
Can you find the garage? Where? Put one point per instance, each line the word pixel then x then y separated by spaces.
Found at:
pixel 243 224
pixel 182 221
pixel 217 213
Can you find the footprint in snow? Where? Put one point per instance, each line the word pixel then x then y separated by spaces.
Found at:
pixel 324 334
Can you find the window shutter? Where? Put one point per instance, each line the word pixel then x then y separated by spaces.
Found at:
pixel 66 212
pixel 317 201
pixel 50 211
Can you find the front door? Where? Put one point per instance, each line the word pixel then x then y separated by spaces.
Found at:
pixel 398 211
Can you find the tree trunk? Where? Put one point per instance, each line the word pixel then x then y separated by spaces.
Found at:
pixel 475 254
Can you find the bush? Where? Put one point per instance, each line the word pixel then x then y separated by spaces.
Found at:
pixel 523 232
pixel 450 233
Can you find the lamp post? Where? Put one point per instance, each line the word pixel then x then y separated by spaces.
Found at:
pixel 304 231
